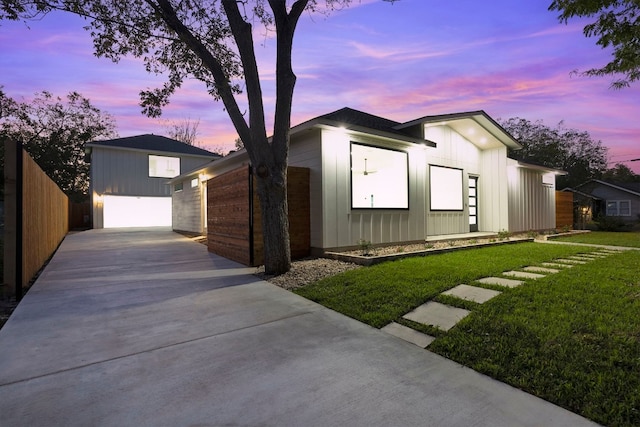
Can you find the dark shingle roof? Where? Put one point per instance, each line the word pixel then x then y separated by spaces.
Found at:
pixel 150 142
pixel 359 118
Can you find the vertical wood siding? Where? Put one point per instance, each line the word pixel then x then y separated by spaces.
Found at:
pixel 531 204
pixel 44 214
pixel 234 227
pixel 564 209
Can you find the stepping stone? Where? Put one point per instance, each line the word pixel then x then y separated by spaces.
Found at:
pixel 439 315
pixel 472 293
pixel 609 251
pixel 556 264
pixel 501 281
pixel 523 275
pixel 592 256
pixel 569 261
pixel 408 334
pixel 580 258
pixel 535 269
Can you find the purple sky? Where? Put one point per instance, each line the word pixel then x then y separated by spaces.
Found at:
pixel 402 61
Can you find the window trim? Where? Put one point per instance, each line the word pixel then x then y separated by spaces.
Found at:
pixel 150 156
pixel 617 207
pixel 378 208
pixel 462 185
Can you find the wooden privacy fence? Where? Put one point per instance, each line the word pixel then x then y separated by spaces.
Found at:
pixel 36 219
pixel 234 227
pixel 564 209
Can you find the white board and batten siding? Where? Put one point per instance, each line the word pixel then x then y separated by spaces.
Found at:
pixel 188 208
pixel 305 151
pixel 489 166
pixel 343 226
pixel 532 199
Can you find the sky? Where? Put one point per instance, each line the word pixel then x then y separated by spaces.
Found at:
pixel 401 61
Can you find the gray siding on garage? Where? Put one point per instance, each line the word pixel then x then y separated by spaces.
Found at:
pixel 126 172
pixel 186 210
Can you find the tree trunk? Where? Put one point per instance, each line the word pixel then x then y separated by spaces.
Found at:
pixel 272 193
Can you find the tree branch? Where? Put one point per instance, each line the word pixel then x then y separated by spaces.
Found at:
pixel 168 14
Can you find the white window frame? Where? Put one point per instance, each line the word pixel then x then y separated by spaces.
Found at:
pixel 384 182
pixel 615 207
pixel 446 189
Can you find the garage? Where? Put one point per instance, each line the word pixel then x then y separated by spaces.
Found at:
pixel 131 211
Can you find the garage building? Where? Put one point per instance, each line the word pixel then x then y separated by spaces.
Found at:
pixel 129 178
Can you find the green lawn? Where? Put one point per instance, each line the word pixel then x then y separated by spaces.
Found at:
pixel 628 238
pixel 572 338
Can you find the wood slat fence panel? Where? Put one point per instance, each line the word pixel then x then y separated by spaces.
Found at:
pixel 564 209
pixel 37 219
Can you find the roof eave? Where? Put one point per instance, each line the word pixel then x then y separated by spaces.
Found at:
pixel 479 116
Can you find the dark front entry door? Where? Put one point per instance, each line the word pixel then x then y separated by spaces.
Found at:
pixel 473 203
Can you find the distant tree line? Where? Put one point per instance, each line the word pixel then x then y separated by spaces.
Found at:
pixel 54 131
pixel 570 150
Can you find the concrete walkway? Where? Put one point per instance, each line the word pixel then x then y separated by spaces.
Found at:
pixel 146 328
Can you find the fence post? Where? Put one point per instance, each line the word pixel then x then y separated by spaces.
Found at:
pixel 13 224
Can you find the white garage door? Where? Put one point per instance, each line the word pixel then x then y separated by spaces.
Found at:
pixel 125 211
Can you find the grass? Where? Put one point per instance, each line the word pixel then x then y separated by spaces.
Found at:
pixel 572 338
pixel 629 238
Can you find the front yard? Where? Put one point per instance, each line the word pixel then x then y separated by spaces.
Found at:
pixel 572 338
pixel 629 239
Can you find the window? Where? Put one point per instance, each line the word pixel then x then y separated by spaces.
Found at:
pixel 618 208
pixel 177 187
pixel 163 166
pixel 379 178
pixel 446 188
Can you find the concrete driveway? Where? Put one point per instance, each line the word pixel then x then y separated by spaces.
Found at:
pixel 143 327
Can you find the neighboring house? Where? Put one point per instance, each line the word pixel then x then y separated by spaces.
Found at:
pixel 129 178
pixel 383 181
pixel 597 198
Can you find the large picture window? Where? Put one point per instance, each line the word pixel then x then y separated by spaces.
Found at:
pixel 446 189
pixel 379 178
pixel 164 166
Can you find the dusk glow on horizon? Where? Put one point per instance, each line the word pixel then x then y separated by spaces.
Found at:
pixel 401 61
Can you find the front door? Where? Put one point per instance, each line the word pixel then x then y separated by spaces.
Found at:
pixel 473 203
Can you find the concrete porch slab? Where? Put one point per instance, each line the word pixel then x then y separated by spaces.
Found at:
pixel 408 334
pixel 501 281
pixel 472 293
pixel 523 275
pixel 439 315
pixel 535 269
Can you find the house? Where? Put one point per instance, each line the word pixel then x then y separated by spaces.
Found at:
pixel 383 181
pixel 596 198
pixel 129 178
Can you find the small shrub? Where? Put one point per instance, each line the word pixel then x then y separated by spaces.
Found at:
pixel 365 247
pixel 611 223
pixel 504 235
pixel 428 246
pixel 400 249
pixel 473 241
pixel 532 234
pixel 566 228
